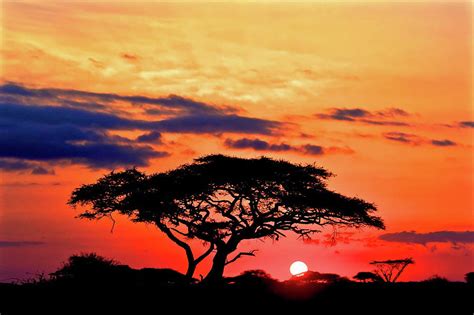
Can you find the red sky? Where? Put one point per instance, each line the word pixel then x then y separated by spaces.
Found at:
pixel 377 93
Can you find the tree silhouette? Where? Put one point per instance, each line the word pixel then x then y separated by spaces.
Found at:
pixel 469 277
pixel 390 270
pixel 367 276
pixel 224 200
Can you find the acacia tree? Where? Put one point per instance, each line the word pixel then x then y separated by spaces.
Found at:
pixel 390 270
pixel 224 200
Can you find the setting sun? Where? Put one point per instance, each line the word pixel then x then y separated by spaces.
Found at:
pixel 298 268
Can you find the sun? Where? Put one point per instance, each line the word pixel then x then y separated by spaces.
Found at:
pixel 298 268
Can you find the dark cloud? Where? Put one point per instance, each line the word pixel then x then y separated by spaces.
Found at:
pixel 443 143
pixel 258 145
pixel 171 102
pixel 412 139
pixel 466 124
pixel 261 145
pixel 218 124
pixel 313 149
pixel 430 237
pixel 19 243
pixel 73 129
pixel 14 165
pixel 402 137
pixel 40 170
pixel 32 140
pixel 150 137
pixel 360 115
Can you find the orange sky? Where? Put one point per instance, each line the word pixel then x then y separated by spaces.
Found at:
pixel 295 64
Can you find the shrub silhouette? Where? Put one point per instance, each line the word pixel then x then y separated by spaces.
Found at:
pixel 367 276
pixel 435 279
pixel 86 267
pixel 224 200
pixel 92 269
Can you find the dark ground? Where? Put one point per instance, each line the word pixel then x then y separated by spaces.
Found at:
pixel 247 296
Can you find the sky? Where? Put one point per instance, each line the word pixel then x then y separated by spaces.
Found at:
pixel 378 93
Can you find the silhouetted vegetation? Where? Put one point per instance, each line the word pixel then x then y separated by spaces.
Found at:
pixel 469 277
pixel 390 270
pixel 367 276
pixel 316 277
pixel 224 200
pixel 91 284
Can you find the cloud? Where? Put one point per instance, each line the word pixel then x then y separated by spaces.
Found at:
pixel 466 124
pixel 403 137
pixel 313 149
pixel 461 124
pixel 412 139
pixel 73 129
pixel 39 170
pixel 262 145
pixel 33 141
pixel 129 57
pixel 360 115
pixel 14 165
pixel 218 124
pixel 19 243
pixel 258 145
pixel 171 102
pixel 412 237
pixel 443 143
pixel 150 137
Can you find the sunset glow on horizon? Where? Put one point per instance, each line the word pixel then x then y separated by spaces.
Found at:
pixel 379 94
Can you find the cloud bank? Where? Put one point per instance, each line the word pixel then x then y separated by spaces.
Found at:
pixel 52 125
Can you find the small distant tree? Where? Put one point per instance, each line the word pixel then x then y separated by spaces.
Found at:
pixel 469 277
pixel 390 270
pixel 223 201
pixel 367 276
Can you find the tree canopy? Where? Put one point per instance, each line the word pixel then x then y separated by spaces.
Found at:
pixel 223 200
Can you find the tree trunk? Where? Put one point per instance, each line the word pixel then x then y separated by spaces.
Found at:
pixel 191 269
pixel 216 273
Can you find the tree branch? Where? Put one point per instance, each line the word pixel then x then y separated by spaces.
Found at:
pixel 251 253
pixel 205 254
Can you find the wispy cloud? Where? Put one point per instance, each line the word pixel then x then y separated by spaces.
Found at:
pixel 262 145
pixel 20 243
pixel 412 139
pixel 461 124
pixel 15 165
pixel 385 117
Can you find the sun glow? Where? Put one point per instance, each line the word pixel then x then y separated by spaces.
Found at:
pixel 298 268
